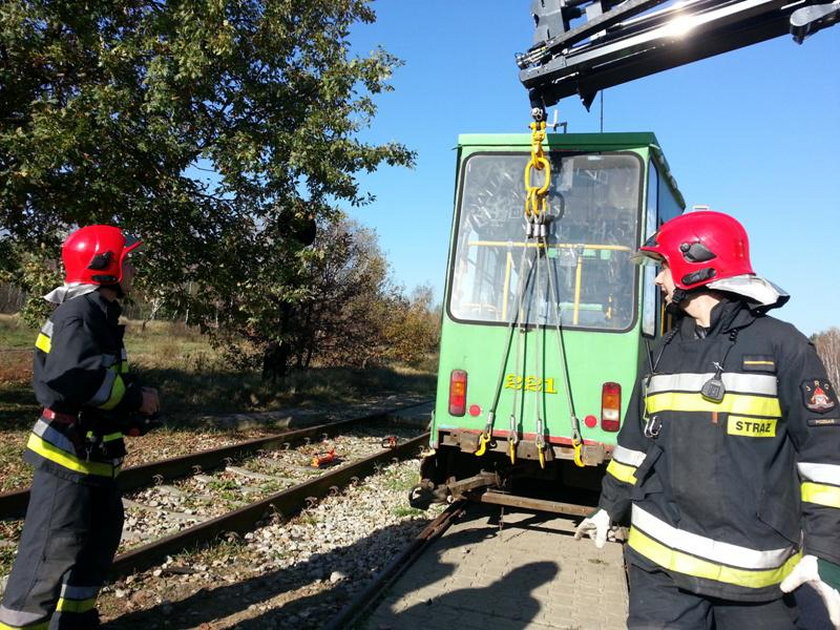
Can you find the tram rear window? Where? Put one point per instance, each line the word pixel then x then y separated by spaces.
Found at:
pixel 585 276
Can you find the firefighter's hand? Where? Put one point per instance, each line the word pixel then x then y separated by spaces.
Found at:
pixel 151 402
pixel 596 526
pixel 141 425
pixel 824 577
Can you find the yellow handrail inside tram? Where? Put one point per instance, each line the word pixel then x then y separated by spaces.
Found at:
pixel 578 266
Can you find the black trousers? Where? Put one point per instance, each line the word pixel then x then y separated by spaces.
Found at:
pixel 69 539
pixel 657 603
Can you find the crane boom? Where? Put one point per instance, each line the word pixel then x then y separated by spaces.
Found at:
pixel 619 42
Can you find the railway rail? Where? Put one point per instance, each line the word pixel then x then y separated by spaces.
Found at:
pixel 13 504
pixel 364 603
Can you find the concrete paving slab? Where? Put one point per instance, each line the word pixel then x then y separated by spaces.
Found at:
pixel 496 569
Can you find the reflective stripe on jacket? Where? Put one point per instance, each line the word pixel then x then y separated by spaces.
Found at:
pixel 733 489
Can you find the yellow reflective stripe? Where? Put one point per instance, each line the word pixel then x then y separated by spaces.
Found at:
pixel 123 367
pixel 821 494
pixel 37 626
pixel 112 436
pixel 687 564
pixel 731 403
pixel 55 454
pixel 117 392
pixel 622 472
pixel 75 605
pixel 43 343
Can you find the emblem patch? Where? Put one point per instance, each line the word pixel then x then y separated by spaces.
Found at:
pixel 818 395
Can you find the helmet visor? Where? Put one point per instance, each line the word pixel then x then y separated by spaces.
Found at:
pixel 647 254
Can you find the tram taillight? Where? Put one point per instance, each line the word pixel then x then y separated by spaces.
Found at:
pixel 458 393
pixel 610 406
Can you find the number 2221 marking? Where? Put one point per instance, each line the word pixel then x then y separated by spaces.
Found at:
pixel 530 383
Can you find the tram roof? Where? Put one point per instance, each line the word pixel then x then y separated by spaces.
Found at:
pixel 615 141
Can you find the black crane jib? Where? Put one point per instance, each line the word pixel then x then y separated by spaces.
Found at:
pixel 619 42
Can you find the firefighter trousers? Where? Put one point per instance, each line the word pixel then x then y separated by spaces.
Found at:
pixel 657 603
pixel 69 539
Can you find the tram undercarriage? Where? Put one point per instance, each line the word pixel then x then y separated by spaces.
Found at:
pixel 454 472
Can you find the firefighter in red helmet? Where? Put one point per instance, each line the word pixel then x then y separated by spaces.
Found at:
pixel 727 467
pixel 80 376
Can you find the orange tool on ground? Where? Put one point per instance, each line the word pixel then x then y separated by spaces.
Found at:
pixel 326 458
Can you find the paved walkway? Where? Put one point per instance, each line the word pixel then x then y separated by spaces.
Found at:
pixel 530 573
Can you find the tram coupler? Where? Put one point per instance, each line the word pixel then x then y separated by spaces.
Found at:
pixel 426 492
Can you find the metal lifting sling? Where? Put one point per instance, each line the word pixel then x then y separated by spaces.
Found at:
pixel 540 201
pixel 536 207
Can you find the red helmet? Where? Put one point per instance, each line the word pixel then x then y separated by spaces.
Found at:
pixel 700 248
pixel 95 254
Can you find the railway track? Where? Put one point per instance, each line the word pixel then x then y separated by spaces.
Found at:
pixel 286 503
pixel 13 504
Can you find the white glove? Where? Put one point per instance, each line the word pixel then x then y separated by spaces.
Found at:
pixel 807 571
pixel 596 526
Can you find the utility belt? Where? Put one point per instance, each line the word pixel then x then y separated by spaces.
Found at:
pixel 89 434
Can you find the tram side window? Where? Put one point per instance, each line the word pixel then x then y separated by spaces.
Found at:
pixel 584 276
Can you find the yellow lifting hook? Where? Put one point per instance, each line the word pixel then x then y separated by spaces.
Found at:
pixel 513 439
pixel 486 435
pixel 535 199
pixel 577 443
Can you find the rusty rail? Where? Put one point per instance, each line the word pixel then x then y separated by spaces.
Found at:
pixel 361 604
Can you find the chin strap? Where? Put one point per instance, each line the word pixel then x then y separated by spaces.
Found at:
pixel 680 295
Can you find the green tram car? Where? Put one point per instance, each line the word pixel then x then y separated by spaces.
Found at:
pixel 542 338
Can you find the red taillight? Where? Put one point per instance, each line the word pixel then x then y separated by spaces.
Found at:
pixel 458 393
pixel 610 406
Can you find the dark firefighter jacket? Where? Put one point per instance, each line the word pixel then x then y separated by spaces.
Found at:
pixel 727 495
pixel 81 373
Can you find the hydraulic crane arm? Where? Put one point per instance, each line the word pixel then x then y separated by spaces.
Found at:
pixel 619 42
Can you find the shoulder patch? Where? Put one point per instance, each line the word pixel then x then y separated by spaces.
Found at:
pixel 818 395
pixel 758 363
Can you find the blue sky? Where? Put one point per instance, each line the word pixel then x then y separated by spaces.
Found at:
pixel 753 133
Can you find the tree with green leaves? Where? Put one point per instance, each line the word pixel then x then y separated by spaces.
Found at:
pixel 219 130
